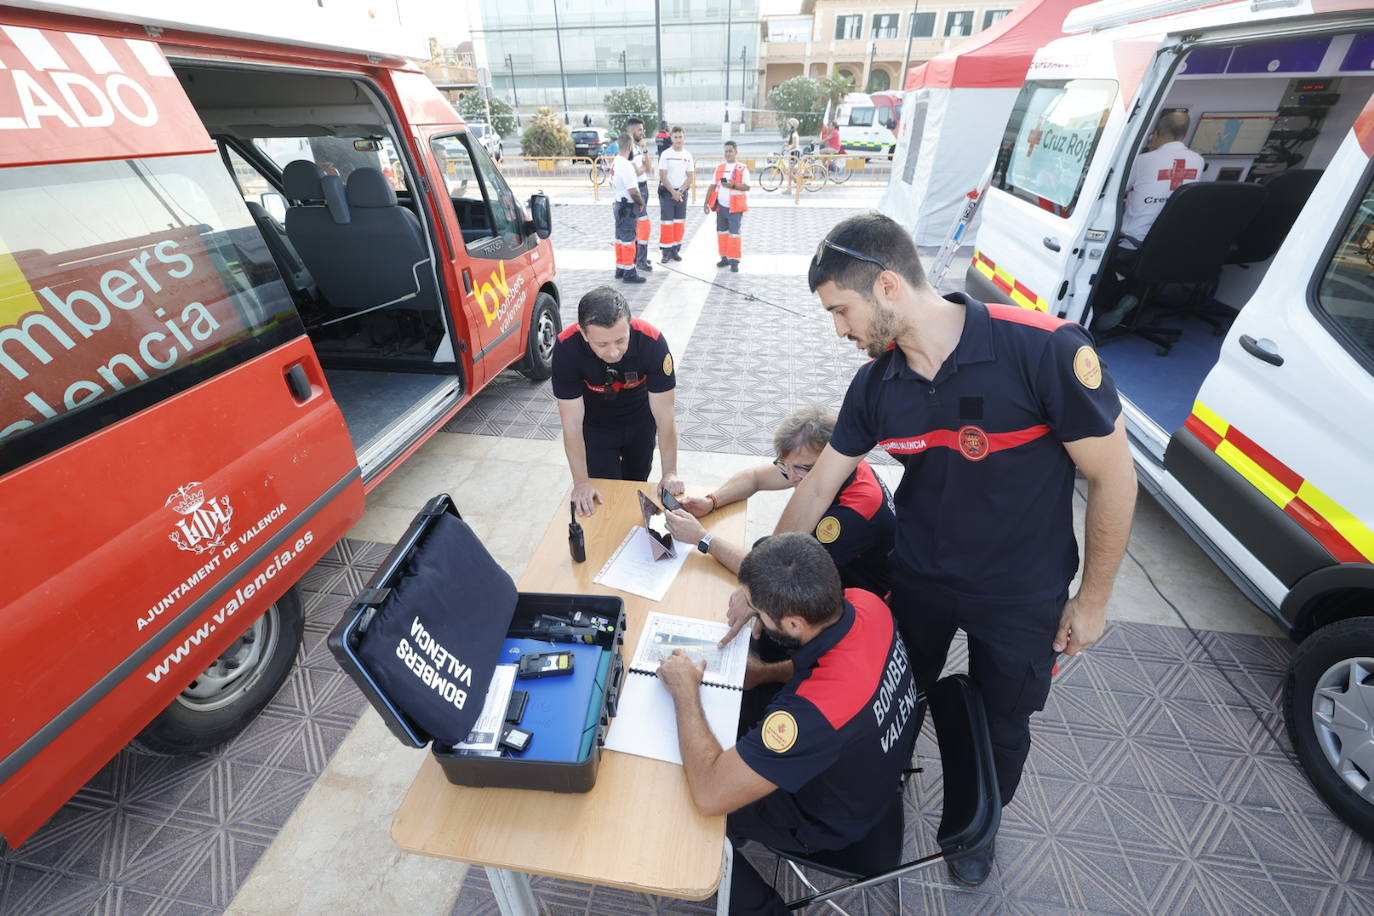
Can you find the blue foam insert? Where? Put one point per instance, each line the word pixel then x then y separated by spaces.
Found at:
pixel 559 706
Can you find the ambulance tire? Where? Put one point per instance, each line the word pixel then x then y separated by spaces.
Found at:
pixel 231 692
pixel 545 325
pixel 1336 662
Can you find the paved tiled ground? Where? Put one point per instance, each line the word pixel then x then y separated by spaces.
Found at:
pixel 180 834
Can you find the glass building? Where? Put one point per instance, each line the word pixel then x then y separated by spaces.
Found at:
pixel 522 36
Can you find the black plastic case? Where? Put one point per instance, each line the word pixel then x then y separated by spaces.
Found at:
pixel 462 769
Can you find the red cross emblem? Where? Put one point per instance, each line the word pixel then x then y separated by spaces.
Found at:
pixel 1033 140
pixel 1177 175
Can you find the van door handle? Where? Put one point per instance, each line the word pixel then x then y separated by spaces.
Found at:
pixel 1051 243
pixel 1261 349
pixel 299 383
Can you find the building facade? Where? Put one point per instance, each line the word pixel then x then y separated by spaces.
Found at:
pixel 607 44
pixel 867 39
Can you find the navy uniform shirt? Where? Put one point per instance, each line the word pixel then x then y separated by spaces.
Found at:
pixel 985 507
pixel 858 529
pixel 837 737
pixel 614 392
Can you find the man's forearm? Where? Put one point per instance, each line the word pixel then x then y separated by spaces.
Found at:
pixel 667 446
pixel 699 747
pixel 1107 529
pixel 803 509
pixel 727 554
pixel 739 486
pixel 576 449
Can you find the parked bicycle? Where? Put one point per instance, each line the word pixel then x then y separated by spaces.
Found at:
pixel 810 174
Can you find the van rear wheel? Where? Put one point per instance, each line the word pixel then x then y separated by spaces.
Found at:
pixel 1328 706
pixel 231 692
pixel 545 325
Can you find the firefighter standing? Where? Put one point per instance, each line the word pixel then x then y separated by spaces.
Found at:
pixel 676 177
pixel 727 198
pixel 626 202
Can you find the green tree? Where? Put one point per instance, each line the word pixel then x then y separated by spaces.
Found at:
pixel 473 108
pixel 800 98
pixel 833 90
pixel 632 101
pixel 547 135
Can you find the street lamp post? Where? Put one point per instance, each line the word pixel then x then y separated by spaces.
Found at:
pixel 910 33
pixel 868 71
pixel 743 76
pixel 515 96
pixel 562 76
pixel 726 94
pixel 625 69
pixel 658 52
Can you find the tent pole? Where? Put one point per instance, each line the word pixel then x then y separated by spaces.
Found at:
pixel 910 32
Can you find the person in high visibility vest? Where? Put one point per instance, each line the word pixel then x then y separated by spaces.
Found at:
pixel 644 167
pixel 676 176
pixel 727 198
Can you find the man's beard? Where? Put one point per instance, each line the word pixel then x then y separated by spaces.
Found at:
pixel 883 330
pixel 790 643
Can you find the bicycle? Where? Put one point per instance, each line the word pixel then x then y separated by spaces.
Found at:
pixel 809 174
pixel 835 169
pixel 600 170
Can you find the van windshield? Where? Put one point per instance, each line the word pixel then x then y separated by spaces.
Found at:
pixel 1050 139
pixel 861 117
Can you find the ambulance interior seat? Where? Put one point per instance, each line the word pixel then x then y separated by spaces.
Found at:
pixel 972 809
pixel 1285 196
pixel 1187 245
pixel 293 271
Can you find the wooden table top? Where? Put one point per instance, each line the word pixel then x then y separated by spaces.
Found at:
pixel 637 829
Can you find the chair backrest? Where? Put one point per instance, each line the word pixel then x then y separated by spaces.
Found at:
pixel 1192 235
pixel 316 223
pixel 293 270
pixel 973 803
pixel 1286 195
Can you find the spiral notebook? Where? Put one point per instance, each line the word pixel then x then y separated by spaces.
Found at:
pixel 645 721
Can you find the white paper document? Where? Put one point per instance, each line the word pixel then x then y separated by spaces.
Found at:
pixel 486 731
pixel 645 722
pixel 632 568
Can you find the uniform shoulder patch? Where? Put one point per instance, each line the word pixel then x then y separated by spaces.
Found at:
pixel 667 364
pixel 779 731
pixel 1087 367
pixel 828 530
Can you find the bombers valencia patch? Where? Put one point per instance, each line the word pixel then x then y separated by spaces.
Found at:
pixel 1087 367
pixel 779 731
pixel 667 364
pixel 828 530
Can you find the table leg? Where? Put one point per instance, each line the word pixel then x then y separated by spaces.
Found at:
pixel 723 892
pixel 512 891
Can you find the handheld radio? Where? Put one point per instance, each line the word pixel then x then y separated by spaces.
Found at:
pixel 577 541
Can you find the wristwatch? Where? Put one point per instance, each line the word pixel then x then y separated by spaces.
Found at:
pixel 704 545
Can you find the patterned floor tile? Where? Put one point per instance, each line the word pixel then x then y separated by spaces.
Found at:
pixel 180 834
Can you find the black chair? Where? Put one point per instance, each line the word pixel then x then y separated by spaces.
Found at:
pixel 972 803
pixel 1286 195
pixel 1187 245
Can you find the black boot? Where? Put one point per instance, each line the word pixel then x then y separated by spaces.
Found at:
pixel 632 277
pixel 734 266
pixel 973 870
pixel 723 262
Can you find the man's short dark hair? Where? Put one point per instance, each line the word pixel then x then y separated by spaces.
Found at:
pixel 732 144
pixel 602 307
pixel 1173 124
pixel 631 122
pixel 624 141
pixel 878 236
pixel 677 129
pixel 792 575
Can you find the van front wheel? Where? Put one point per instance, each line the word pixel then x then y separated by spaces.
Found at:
pixel 231 692
pixel 1328 705
pixel 545 325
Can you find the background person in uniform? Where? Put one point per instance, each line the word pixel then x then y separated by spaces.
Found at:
pixel 856 530
pixel 613 378
pixel 664 138
pixel 676 177
pixel 989 408
pixel 727 198
pixel 1155 176
pixel 816 772
pixel 644 167
pixel 626 204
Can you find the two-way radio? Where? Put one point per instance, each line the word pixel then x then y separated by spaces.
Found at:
pixel 577 540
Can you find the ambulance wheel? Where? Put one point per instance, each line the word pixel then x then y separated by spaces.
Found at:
pixel 1328 706
pixel 545 325
pixel 231 692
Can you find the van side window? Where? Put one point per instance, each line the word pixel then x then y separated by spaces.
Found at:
pixel 339 155
pixel 121 283
pixel 487 212
pixel 1050 139
pixel 1345 295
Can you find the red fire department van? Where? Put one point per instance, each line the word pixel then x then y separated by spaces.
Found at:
pixel 241 278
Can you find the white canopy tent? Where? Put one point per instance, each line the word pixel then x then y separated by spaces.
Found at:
pixel 955 110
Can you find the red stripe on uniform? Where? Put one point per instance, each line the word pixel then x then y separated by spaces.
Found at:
pixel 949 438
pixel 1036 319
pixel 1341 549
pixel 643 327
pixel 1204 432
pixel 865 494
pixel 844 681
pixel 569 331
pixel 1276 468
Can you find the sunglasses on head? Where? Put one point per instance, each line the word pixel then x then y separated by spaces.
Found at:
pixel 857 255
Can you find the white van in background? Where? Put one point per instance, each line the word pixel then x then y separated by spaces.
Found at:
pixel 868 123
pixel 1250 402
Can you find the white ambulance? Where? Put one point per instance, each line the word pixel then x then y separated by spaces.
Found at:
pixel 1246 366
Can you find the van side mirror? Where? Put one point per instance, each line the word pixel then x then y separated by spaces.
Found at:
pixel 541 215
pixel 274 204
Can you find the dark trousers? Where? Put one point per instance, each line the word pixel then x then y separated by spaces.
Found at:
pixel 727 233
pixel 672 221
pixel 623 452
pixel 626 215
pixel 643 227
pixel 750 894
pixel 1011 656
